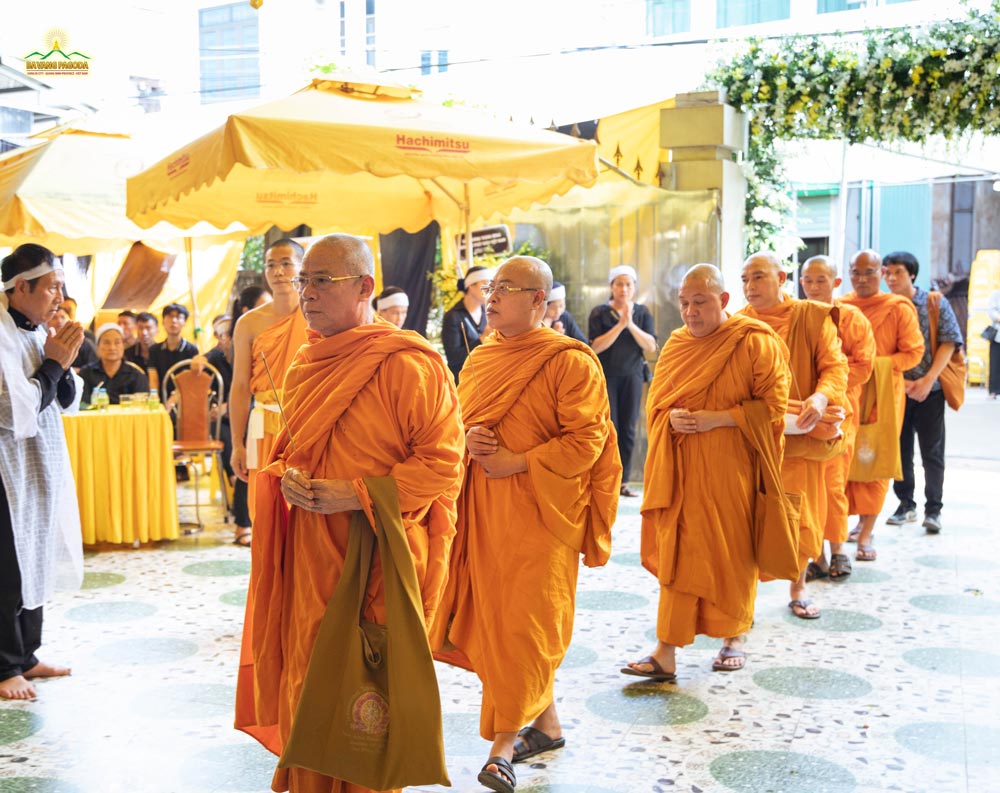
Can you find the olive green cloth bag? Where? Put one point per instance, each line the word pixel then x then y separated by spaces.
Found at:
pixel 369 712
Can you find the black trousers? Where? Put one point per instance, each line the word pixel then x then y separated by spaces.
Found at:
pixel 625 396
pixel 20 628
pixel 926 420
pixel 994 367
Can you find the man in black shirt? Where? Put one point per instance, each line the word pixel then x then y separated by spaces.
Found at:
pixel 147 326
pixel 111 371
pixel 173 349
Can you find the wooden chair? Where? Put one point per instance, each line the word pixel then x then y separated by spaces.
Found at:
pixel 197 434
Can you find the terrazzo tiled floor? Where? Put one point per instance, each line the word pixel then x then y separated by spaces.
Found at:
pixel 897 687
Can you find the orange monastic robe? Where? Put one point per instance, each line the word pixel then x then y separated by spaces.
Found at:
pixel 699 499
pixel 858 342
pixel 817 364
pixel 370 401
pixel 279 343
pixel 897 335
pixel 544 395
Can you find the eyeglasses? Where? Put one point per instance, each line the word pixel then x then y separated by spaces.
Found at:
pixel 319 282
pixel 864 273
pixel 503 289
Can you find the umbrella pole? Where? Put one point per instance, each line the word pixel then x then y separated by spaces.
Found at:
pixel 468 228
pixel 194 298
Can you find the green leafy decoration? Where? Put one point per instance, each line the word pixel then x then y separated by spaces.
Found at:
pixel 884 86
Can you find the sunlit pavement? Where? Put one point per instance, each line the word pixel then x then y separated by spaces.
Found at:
pixel 896 687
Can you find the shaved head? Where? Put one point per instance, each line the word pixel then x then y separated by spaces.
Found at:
pixel 707 274
pixel 818 263
pixel 866 258
pixel 766 257
pixel 819 279
pixel 537 272
pixel 528 281
pixel 866 273
pixel 763 276
pixel 351 253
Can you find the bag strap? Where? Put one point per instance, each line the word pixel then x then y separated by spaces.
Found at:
pixel 363 536
pixel 933 315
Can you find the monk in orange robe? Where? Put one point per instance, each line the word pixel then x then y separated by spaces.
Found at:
pixel 277 329
pixel 897 336
pixel 818 370
pixel 698 508
pixel 541 488
pixel 363 398
pixel 819 278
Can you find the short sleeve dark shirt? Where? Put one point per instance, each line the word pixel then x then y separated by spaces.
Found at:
pixel 134 354
pixel 454 341
pixel 161 358
pixel 947 331
pixel 624 358
pixel 127 380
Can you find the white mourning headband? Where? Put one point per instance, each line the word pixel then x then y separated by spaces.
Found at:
pixel 30 275
pixel 623 269
pixel 395 299
pixel 557 293
pixel 478 275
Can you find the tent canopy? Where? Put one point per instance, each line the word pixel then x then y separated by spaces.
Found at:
pixel 67 193
pixel 358 157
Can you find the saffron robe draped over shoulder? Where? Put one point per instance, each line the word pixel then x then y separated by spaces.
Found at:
pixel 279 343
pixel 817 364
pixel 897 336
pixel 858 342
pixel 699 499
pixel 521 536
pixel 370 401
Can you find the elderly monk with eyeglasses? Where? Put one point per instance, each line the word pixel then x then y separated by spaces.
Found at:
pixel 541 488
pixel 362 398
pixel 716 417
pixel 898 339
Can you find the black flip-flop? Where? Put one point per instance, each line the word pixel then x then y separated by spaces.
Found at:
pixel 504 782
pixel 814 571
pixel 534 742
pixel 657 673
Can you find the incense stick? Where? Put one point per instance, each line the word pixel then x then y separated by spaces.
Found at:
pixel 277 399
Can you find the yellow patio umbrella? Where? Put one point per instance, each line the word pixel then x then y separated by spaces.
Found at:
pixel 359 157
pixel 67 192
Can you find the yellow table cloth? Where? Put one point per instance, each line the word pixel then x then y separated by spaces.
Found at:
pixel 124 471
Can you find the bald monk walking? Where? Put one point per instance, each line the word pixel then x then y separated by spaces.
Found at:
pixel 897 337
pixel 715 414
pixel 818 371
pixel 541 488
pixel 819 279
pixel 362 398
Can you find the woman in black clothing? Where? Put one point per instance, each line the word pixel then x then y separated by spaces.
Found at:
pixel 468 314
pixel 111 371
pixel 621 332
pixel 558 318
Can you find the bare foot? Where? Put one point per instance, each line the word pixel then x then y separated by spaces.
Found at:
pixel 800 603
pixel 42 669
pixel 17 687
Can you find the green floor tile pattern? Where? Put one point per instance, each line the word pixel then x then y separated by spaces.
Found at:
pixel 897 675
